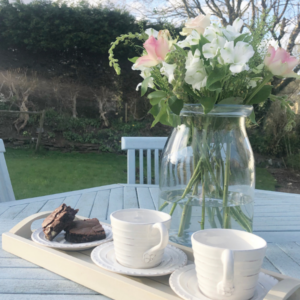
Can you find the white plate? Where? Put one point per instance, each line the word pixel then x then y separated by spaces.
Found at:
pixel 173 258
pixel 184 283
pixel 60 243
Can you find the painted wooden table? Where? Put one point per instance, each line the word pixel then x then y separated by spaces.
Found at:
pixel 277 219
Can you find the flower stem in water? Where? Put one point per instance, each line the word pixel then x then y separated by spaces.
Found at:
pixel 225 190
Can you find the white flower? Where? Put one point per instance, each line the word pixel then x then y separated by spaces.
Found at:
pixel 199 23
pixel 196 73
pixel 253 82
pixel 151 31
pixel 232 32
pixel 212 31
pixel 237 56
pixel 192 39
pixel 210 50
pixel 146 72
pixel 168 70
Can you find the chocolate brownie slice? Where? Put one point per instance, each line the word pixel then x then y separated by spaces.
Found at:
pixel 60 218
pixel 84 231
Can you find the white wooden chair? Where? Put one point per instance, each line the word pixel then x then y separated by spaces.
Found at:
pixel 6 190
pixel 141 144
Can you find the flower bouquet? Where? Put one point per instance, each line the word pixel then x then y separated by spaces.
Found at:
pixel 204 86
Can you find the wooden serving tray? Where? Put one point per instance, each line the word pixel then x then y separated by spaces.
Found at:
pixel 78 267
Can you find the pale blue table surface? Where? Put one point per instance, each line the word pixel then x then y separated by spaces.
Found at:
pixel 277 219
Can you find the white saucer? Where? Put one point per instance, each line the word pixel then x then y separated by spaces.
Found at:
pixel 173 258
pixel 184 283
pixel 60 243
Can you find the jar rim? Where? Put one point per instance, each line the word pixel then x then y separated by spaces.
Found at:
pixel 221 110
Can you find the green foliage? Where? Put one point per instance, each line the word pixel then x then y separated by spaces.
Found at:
pixel 89 131
pixel 44 26
pixel 293 161
pixel 262 95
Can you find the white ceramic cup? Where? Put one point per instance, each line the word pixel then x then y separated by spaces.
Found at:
pixel 140 237
pixel 227 262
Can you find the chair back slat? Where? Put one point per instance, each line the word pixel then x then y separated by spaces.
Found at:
pixel 6 190
pixel 131 166
pixel 133 144
pixel 142 166
pixel 148 166
pixel 156 166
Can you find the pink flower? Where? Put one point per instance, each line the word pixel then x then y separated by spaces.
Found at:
pixel 157 50
pixel 280 63
pixel 199 24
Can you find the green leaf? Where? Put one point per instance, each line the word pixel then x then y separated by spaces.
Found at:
pixel 165 119
pixel 232 100
pixel 180 50
pixel 133 60
pixel 156 96
pixel 252 117
pixel 207 103
pixel 175 105
pixel 162 111
pixel 216 75
pixel 262 95
pixel 241 38
pixel 145 86
pixel 154 110
pixel 216 86
pixel 189 90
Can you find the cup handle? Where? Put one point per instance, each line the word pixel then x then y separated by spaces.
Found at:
pixel 149 255
pixel 226 285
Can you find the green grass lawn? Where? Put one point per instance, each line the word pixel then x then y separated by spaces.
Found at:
pixel 264 180
pixel 46 173
pixel 54 172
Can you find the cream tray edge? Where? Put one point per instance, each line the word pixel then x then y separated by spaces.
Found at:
pixel 78 267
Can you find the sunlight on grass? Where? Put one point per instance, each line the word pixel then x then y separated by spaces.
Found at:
pixel 264 180
pixel 47 173
pixel 54 172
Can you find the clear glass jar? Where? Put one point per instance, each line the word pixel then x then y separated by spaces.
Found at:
pixel 207 176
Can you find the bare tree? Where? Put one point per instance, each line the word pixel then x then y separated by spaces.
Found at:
pixel 70 90
pixel 106 100
pixel 281 18
pixel 19 87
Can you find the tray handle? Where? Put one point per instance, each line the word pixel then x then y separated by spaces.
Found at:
pixel 23 228
pixel 283 290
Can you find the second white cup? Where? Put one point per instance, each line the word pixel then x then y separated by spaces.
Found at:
pixel 228 262
pixel 140 237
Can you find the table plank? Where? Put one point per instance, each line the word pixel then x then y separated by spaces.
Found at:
pixel 30 209
pixel 72 200
pixel 269 266
pixel 16 263
pixel 279 237
pixel 292 250
pixel 100 207
pixel 52 204
pixel 51 297
pixel 284 263
pixel 145 199
pixel 13 211
pixel 28 273
pixel 130 197
pixel 115 201
pixel 85 204
pixel 31 286
pixel 154 194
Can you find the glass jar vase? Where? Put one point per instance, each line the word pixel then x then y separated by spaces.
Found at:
pixel 207 175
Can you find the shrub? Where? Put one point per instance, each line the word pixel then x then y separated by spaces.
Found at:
pixel 44 26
